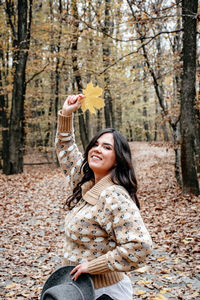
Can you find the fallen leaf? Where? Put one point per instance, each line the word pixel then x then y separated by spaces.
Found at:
pixel 161 258
pixel 160 297
pixel 164 291
pixel 141 292
pixel 143 282
pixel 142 269
pixel 10 286
pixel 92 100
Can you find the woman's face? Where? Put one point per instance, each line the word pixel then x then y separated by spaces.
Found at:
pixel 101 157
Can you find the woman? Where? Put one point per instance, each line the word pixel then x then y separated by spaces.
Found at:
pixel 105 234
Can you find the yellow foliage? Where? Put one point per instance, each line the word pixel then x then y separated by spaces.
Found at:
pixel 92 100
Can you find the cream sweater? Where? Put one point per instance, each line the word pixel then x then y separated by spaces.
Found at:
pixel 105 227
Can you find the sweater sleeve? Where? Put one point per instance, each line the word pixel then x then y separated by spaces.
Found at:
pixel 69 157
pixel 125 227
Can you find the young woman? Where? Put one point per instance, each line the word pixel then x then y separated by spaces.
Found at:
pixel 105 234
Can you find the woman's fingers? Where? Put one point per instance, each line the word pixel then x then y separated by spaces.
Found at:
pixel 74 98
pixel 78 270
pixel 72 103
pixel 74 270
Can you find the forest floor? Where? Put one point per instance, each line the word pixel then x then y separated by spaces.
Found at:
pixel 32 229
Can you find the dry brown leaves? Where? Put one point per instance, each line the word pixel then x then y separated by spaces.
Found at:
pixel 32 229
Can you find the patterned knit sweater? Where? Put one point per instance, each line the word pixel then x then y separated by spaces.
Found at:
pixel 105 227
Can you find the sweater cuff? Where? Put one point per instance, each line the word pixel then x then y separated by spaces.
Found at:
pixel 64 123
pixel 98 265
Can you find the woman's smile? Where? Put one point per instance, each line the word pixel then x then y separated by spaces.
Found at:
pixel 96 157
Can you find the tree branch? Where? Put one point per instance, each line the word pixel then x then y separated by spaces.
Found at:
pixel 100 29
pixel 36 74
pixel 124 56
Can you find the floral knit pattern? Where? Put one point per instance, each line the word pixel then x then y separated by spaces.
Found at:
pixel 105 227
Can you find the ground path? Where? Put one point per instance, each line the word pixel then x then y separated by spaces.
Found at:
pixel 32 216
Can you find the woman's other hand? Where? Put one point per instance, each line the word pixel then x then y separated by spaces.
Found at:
pixel 71 104
pixel 78 270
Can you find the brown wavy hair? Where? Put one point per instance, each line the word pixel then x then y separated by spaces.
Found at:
pixel 122 173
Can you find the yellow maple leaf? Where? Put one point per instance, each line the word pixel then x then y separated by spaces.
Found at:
pixel 92 100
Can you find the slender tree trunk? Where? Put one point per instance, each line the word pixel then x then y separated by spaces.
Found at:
pixel 108 109
pixel 161 88
pixel 188 95
pixel 118 113
pixel 156 122
pixel 4 118
pixel 77 76
pixel 198 121
pixel 145 99
pixel 176 141
pixel 57 71
pixel 99 121
pixel 176 133
pixel 16 128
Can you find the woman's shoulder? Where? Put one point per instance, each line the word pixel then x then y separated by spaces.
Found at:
pixel 116 193
pixel 115 200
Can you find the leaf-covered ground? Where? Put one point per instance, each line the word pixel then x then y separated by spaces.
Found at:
pixel 32 229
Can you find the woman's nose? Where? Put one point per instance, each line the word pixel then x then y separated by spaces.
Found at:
pixel 98 148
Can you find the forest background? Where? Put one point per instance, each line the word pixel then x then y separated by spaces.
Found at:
pixel 143 54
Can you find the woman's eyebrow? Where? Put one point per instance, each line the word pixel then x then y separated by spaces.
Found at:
pixel 108 144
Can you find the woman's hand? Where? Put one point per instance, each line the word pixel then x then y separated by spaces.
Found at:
pixel 71 104
pixel 78 270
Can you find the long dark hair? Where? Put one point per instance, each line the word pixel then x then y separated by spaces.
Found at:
pixel 122 174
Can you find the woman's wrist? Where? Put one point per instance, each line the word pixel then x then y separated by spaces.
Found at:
pixel 65 122
pixel 66 113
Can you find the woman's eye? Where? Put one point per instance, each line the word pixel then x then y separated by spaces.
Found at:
pixel 107 147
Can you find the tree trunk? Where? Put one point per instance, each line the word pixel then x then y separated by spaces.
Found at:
pixel 176 133
pixel 77 76
pixel 3 115
pixel 176 140
pixel 16 128
pixel 188 94
pixel 156 122
pixel 108 109
pixel 145 99
pixel 198 122
pixel 57 71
